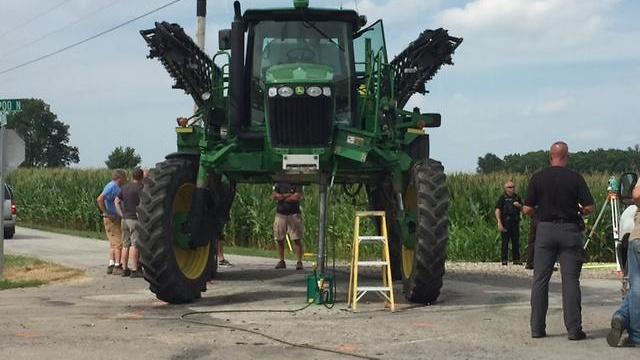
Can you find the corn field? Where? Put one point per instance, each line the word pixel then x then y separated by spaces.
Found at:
pixel 66 198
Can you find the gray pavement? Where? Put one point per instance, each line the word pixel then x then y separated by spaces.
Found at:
pixel 480 315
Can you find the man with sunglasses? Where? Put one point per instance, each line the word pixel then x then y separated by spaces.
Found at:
pixel 508 209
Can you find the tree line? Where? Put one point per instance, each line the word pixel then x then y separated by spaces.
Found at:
pixel 612 161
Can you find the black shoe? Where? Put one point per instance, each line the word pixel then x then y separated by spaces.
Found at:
pixel 281 265
pixel 504 263
pixel 299 265
pixel 529 266
pixel 538 335
pixel 110 269
pixel 126 272
pixel 579 335
pixel 617 326
pixel 517 263
pixel 136 274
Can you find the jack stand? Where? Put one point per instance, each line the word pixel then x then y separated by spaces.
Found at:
pixel 320 286
pixel 612 200
pixel 322 231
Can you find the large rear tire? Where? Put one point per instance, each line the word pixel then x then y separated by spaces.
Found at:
pixel 176 272
pixel 423 266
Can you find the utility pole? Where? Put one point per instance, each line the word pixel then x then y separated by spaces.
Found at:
pixel 201 15
pixel 201 22
pixel 11 156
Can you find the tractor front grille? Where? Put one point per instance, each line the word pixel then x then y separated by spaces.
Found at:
pixel 300 121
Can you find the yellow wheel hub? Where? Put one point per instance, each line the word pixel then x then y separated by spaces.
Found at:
pixel 192 262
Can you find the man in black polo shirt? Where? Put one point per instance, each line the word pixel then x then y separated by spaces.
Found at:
pixel 288 220
pixel 561 196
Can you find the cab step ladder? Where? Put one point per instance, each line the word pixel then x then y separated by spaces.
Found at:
pixel 386 290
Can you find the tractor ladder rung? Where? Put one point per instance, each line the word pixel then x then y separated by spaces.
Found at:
pixel 373 263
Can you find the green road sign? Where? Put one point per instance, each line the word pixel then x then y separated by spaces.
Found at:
pixel 9 105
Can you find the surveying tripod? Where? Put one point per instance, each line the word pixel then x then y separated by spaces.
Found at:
pixel 613 198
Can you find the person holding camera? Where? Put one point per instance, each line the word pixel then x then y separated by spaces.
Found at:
pixel 508 209
pixel 628 315
pixel 288 220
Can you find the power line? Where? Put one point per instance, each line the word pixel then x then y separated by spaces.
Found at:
pixel 77 21
pixel 87 39
pixel 46 12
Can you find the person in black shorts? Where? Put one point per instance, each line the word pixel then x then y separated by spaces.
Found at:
pixel 508 209
pixel 562 197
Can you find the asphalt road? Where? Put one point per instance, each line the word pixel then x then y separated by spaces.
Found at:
pixel 480 315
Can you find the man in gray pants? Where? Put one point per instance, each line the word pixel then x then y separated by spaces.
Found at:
pixel 561 196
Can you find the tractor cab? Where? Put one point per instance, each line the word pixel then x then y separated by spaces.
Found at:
pixel 299 72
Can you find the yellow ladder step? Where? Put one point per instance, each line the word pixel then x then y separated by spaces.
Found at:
pixel 374 288
pixel 372 238
pixel 369 213
pixel 373 263
pixel 386 289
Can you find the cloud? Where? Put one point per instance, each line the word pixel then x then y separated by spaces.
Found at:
pixel 499 32
pixel 552 106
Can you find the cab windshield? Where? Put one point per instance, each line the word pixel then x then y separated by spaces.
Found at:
pixel 306 43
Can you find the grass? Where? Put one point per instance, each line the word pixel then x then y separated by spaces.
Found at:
pixel 73 232
pixel 24 271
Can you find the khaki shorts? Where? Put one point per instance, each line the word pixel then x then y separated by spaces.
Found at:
pixel 291 224
pixel 129 232
pixel 114 234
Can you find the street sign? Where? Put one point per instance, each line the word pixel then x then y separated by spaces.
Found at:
pixel 14 147
pixel 7 105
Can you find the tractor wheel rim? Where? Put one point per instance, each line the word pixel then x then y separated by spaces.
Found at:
pixel 407 261
pixel 192 262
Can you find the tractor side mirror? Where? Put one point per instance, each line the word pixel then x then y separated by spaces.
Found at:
pixel 362 20
pixel 627 182
pixel 224 39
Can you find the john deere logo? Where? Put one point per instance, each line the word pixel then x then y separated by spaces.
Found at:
pixel 299 90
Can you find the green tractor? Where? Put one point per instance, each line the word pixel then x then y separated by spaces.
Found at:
pixel 311 98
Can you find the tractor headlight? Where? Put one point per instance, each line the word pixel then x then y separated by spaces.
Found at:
pixel 285 91
pixel 326 91
pixel 314 91
pixel 272 92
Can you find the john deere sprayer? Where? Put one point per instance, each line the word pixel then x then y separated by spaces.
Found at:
pixel 310 98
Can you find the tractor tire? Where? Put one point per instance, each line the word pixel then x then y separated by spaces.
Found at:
pixel 423 266
pixel 176 273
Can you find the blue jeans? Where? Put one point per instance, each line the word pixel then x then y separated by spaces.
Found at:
pixel 630 308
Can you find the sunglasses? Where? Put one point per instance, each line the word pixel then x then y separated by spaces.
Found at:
pixel 509 187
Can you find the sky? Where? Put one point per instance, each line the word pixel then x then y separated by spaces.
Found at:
pixel 528 73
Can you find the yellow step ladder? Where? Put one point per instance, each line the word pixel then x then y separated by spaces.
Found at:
pixel 386 290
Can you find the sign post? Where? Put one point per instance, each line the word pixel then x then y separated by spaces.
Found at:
pixel 11 156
